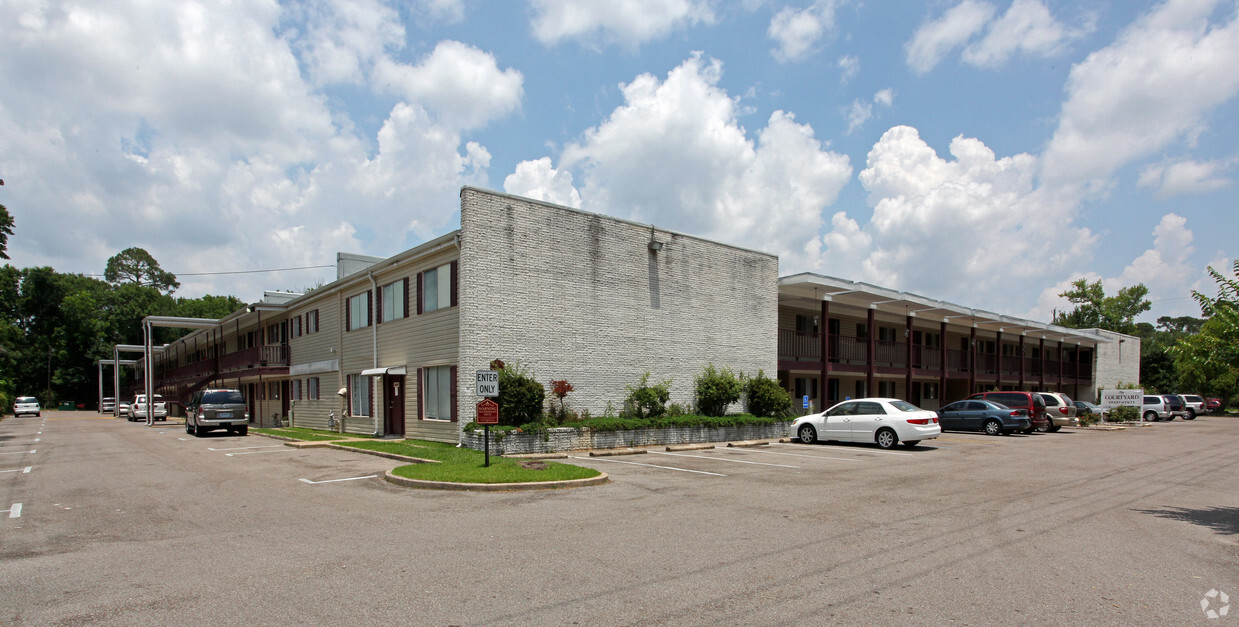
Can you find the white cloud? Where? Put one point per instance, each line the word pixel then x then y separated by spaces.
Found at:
pixel 462 85
pixel 628 23
pixel 797 31
pixel 538 180
pixel 934 40
pixel 206 142
pixel 860 112
pixel 1186 177
pixel 976 214
pixel 675 155
pixel 849 67
pixel 1153 87
pixel 1026 27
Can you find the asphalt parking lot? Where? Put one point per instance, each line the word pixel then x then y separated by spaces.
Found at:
pixel 125 524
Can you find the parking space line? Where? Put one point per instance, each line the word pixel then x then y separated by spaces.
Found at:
pixel 19 452
pixel 723 459
pixel 858 450
pixel 338 480
pixel 619 461
pixel 287 450
pixel 15 511
pixel 24 471
pixel 834 459
pixel 241 448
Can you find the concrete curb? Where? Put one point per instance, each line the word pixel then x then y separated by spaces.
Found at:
pixel 495 487
pixel 612 452
pixel 747 443
pixel 401 458
pixel 689 447
pixel 537 456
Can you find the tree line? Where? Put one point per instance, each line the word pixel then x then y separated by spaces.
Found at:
pixel 54 327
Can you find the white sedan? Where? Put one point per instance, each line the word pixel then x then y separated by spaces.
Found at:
pixel 885 421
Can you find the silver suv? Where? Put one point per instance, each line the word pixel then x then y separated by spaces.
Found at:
pixel 1195 405
pixel 1061 411
pixel 217 409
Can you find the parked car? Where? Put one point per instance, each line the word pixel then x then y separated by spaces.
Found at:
pixel 1028 401
pixel 108 406
pixel 1085 408
pixel 26 405
pixel 884 421
pixel 977 415
pixel 1195 405
pixel 1178 407
pixel 137 409
pixel 217 409
pixel 1061 411
pixel 1155 408
pixel 123 409
pixel 1214 405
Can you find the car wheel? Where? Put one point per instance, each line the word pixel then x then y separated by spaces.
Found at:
pixel 886 438
pixel 1191 415
pixel 1053 428
pixel 993 427
pixel 807 434
pixel 243 430
pixel 911 443
pixel 1027 431
pixel 1150 416
pixel 1043 428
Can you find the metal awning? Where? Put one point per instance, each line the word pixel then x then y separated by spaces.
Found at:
pixel 374 372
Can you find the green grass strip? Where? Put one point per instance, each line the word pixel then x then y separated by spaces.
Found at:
pixel 463 465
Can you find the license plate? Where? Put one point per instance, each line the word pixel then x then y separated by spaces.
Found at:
pixel 224 414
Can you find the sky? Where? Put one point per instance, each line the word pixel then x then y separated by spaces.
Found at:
pixel 982 152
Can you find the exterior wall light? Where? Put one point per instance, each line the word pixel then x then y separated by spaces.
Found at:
pixel 655 246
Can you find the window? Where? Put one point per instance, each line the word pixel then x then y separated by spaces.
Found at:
pixel 311 322
pixel 296 389
pixel 392 301
pixel 886 334
pixel 437 393
pixel 862 331
pixel 806 324
pixel 358 311
pixel 311 385
pixel 437 288
pixel 274 386
pixel 886 389
pixel 929 390
pixel 359 395
pixel 296 330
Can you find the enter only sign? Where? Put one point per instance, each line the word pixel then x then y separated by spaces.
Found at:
pixel 488 383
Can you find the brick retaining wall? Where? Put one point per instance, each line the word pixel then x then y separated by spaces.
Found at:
pixel 572 439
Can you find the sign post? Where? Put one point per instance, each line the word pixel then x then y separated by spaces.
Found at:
pixel 1123 398
pixel 487 415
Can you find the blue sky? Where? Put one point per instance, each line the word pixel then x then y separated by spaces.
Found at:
pixel 984 152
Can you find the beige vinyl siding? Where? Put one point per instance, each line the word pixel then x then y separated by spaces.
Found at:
pixel 314 348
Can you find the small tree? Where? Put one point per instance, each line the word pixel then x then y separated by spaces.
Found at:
pixel 647 400
pixel 766 398
pixel 560 389
pixel 716 389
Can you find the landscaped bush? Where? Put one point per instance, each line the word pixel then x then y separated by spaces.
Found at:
pixel 766 397
pixel 520 395
pixel 716 389
pixel 1124 414
pixel 647 400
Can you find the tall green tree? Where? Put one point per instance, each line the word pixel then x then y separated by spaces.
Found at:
pixel 138 267
pixel 6 229
pixel 1209 360
pixel 1093 309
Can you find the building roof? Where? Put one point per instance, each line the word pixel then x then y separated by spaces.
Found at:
pixel 810 289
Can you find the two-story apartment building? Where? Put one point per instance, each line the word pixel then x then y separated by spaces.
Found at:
pixel 391 346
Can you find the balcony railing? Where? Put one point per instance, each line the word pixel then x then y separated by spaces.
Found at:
pixel 256 357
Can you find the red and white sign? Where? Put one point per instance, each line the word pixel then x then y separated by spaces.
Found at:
pixel 488 412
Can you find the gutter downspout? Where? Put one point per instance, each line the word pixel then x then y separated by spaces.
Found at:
pixel 374 332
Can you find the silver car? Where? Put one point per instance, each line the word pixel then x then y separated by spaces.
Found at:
pixel 217 409
pixel 1061 411
pixel 26 405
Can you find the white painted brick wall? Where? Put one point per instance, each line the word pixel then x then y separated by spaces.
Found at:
pixel 1117 362
pixel 578 296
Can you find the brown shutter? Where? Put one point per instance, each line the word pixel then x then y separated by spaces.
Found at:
pixel 406 297
pixel 348 316
pixel 348 397
pixel 378 305
pixel 369 308
pixel 419 293
pixel 455 408
pixel 455 281
pixel 421 414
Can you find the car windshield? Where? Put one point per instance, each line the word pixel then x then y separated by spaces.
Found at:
pixel 224 397
pixel 904 406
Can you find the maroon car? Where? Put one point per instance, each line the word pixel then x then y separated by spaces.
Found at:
pixel 1213 405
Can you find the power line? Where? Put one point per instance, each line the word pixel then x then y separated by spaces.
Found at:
pixel 178 274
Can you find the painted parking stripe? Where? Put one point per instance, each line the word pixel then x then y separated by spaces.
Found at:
pixel 19 452
pixel 619 461
pixel 723 459
pixel 338 480
pixel 858 450
pixel 15 511
pixel 286 450
pixel 242 448
pixel 24 471
pixel 833 459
